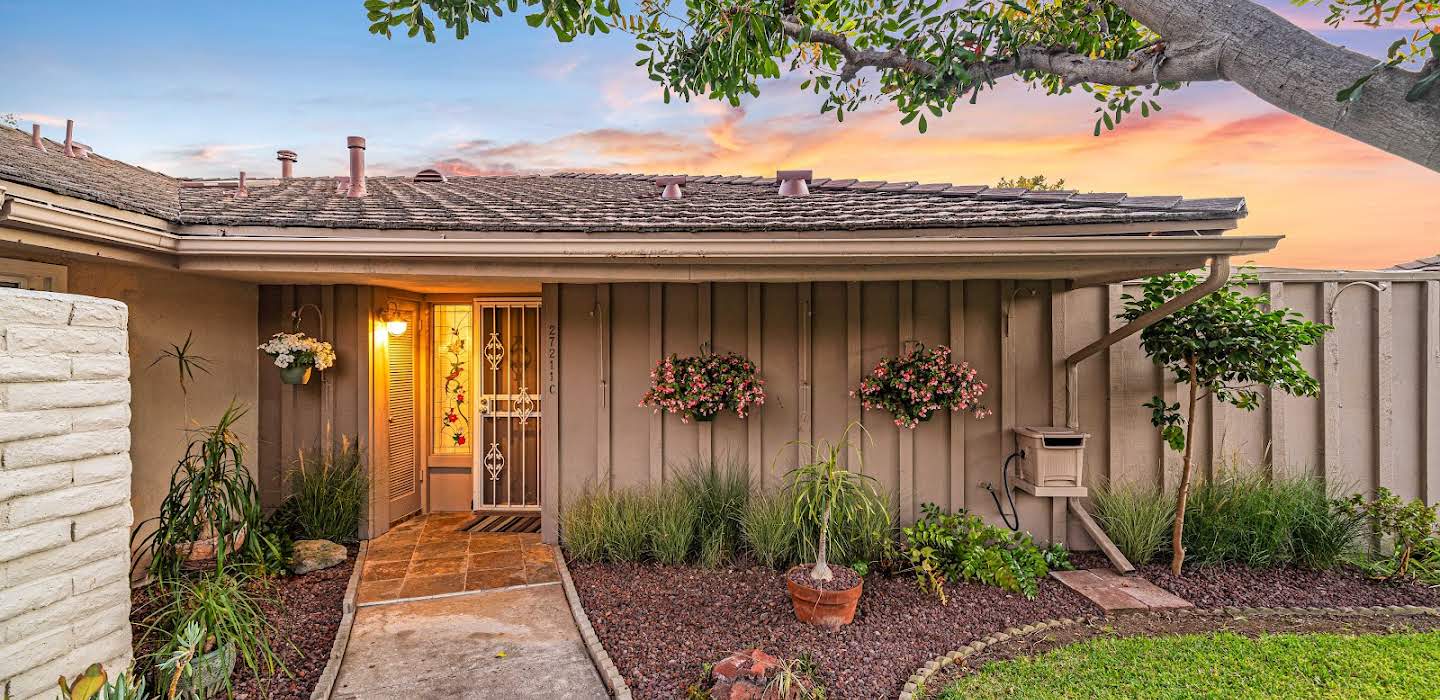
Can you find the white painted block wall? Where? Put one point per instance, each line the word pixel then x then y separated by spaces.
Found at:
pixel 64 489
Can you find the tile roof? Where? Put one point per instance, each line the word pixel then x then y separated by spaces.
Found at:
pixel 585 202
pixel 1430 264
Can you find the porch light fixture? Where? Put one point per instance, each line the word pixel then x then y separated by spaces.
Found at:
pixel 395 324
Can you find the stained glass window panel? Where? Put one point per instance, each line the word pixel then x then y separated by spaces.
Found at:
pixel 452 415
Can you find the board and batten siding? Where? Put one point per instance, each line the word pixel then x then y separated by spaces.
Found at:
pixel 1376 423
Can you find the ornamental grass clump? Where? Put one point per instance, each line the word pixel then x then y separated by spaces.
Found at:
pixel 1137 517
pixel 769 532
pixel 583 525
pixel 628 518
pixel 328 491
pixel 919 383
pixel 718 491
pixel 672 526
pixel 700 387
pixel 1249 518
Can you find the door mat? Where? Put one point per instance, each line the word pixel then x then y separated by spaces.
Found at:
pixel 504 521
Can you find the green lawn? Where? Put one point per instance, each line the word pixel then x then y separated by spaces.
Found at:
pixel 1223 665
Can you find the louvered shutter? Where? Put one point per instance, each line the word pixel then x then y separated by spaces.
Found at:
pixel 404 468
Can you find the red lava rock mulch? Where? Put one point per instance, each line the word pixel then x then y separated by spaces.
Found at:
pixel 1281 586
pixel 305 617
pixel 661 624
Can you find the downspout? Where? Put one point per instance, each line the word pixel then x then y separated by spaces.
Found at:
pixel 1219 276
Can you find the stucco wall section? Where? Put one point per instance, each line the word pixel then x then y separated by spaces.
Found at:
pixel 64 489
pixel 165 306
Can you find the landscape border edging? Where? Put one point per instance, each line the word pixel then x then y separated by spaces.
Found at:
pixel 609 673
pixel 924 673
pixel 326 684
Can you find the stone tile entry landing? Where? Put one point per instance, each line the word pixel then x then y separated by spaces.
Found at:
pixel 430 555
pixel 1116 593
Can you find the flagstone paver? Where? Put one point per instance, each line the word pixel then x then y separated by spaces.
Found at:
pixel 431 555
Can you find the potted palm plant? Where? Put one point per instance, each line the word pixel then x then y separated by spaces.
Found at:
pixel 210 507
pixel 825 493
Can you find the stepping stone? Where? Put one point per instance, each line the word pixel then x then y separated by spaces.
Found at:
pixel 1116 593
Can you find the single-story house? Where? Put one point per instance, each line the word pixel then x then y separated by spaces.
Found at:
pixel 534 308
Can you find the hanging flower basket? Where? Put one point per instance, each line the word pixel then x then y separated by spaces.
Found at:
pixel 296 354
pixel 700 387
pixel 919 383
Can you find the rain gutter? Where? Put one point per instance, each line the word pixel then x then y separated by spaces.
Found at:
pixel 1219 277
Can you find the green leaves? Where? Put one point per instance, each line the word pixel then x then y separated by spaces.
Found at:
pixel 1167 418
pixel 727 51
pixel 1231 338
pixel 944 546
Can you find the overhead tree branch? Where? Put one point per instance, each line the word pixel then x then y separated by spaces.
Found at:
pixel 1212 40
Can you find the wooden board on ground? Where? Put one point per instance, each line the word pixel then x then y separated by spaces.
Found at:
pixel 1116 593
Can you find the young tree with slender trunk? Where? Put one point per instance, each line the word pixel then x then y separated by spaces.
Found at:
pixel 928 57
pixel 1226 345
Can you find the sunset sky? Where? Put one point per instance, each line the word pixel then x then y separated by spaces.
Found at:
pixel 208 89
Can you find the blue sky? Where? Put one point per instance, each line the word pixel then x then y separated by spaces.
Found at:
pixel 211 88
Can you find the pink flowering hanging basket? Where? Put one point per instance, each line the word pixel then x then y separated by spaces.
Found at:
pixel 701 387
pixel 920 383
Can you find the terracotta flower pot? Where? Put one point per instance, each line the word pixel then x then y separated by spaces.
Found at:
pixel 829 609
pixel 200 553
pixel 296 374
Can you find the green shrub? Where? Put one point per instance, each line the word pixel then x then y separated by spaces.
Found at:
pixel 328 488
pixel 1412 531
pixel 583 523
pixel 1136 517
pixel 672 528
pixel 627 523
pixel 961 546
pixel 718 489
pixel 769 531
pixel 1249 518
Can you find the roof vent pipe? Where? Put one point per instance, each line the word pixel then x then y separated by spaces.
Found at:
pixel 671 185
pixel 287 163
pixel 35 139
pixel 69 138
pixel 241 190
pixel 794 183
pixel 356 144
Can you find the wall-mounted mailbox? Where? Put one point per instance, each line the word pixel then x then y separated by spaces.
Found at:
pixel 1053 456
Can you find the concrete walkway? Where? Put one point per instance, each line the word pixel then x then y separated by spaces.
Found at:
pixel 487 645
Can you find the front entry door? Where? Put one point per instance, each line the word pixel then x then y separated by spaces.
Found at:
pixel 507 406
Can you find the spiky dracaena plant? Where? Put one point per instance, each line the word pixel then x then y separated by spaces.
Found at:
pixel 827 493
